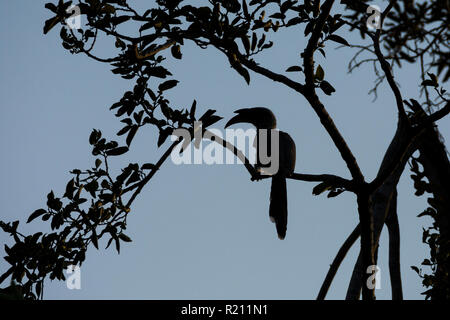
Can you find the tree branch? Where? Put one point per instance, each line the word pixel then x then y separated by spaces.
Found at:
pixel 255 175
pixel 391 168
pixel 336 181
pixel 386 66
pixel 147 178
pixel 439 114
pixel 394 249
pixel 252 65
pixel 348 243
pixel 311 96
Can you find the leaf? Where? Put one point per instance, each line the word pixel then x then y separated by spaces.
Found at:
pixel 320 74
pixel 242 71
pixel 162 137
pixel 429 83
pixel 151 94
pixel 207 114
pixel 124 237
pixel 338 39
pixel 428 212
pixel 109 243
pixel 166 110
pixel 262 40
pixel 70 188
pixel 107 8
pixel 50 23
pixel 286 6
pixel 148 166
pixel 416 269
pixel 267 45
pixel 15 224
pixel 336 26
pixel 245 9
pixel 254 42
pixel 115 105
pixel 327 88
pixel 176 52
pixel 321 187
pixel 131 134
pixel 294 21
pixel 169 84
pixel 133 178
pixel 118 20
pixel 316 8
pixel 117 245
pixel 36 214
pixel 192 111
pixel 335 193
pixel 294 69
pixel 120 44
pixel 322 52
pixel 309 27
pixel 94 239
pixel 211 120
pixel 123 130
pixel 426 262
pixel 433 78
pixel 38 288
pixel 51 7
pixel 246 43
pixel 117 151
pixel 94 137
pixel 159 72
pixel 92 187
pixel 146 26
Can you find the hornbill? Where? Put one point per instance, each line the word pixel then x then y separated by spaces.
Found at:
pixel 263 118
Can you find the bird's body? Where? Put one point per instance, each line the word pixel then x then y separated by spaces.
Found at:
pixel 263 118
pixel 278 191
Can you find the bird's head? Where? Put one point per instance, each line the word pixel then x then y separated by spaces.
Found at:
pixel 261 118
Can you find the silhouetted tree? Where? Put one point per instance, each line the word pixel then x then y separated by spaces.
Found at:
pixel 95 203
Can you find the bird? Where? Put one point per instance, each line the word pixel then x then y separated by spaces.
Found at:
pixel 263 118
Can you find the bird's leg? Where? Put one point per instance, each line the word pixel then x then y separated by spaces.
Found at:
pixel 256 177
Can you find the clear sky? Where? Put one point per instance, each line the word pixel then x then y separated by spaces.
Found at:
pixel 199 231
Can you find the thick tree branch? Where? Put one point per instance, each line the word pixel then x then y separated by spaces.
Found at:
pixel 363 194
pixel 394 249
pixel 391 168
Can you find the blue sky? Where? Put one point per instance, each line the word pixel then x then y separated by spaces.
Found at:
pixel 199 231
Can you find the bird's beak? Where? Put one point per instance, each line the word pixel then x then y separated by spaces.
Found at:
pixel 236 119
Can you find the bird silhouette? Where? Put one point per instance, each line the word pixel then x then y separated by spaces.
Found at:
pixel 263 118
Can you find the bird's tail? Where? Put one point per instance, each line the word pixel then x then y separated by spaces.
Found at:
pixel 278 204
